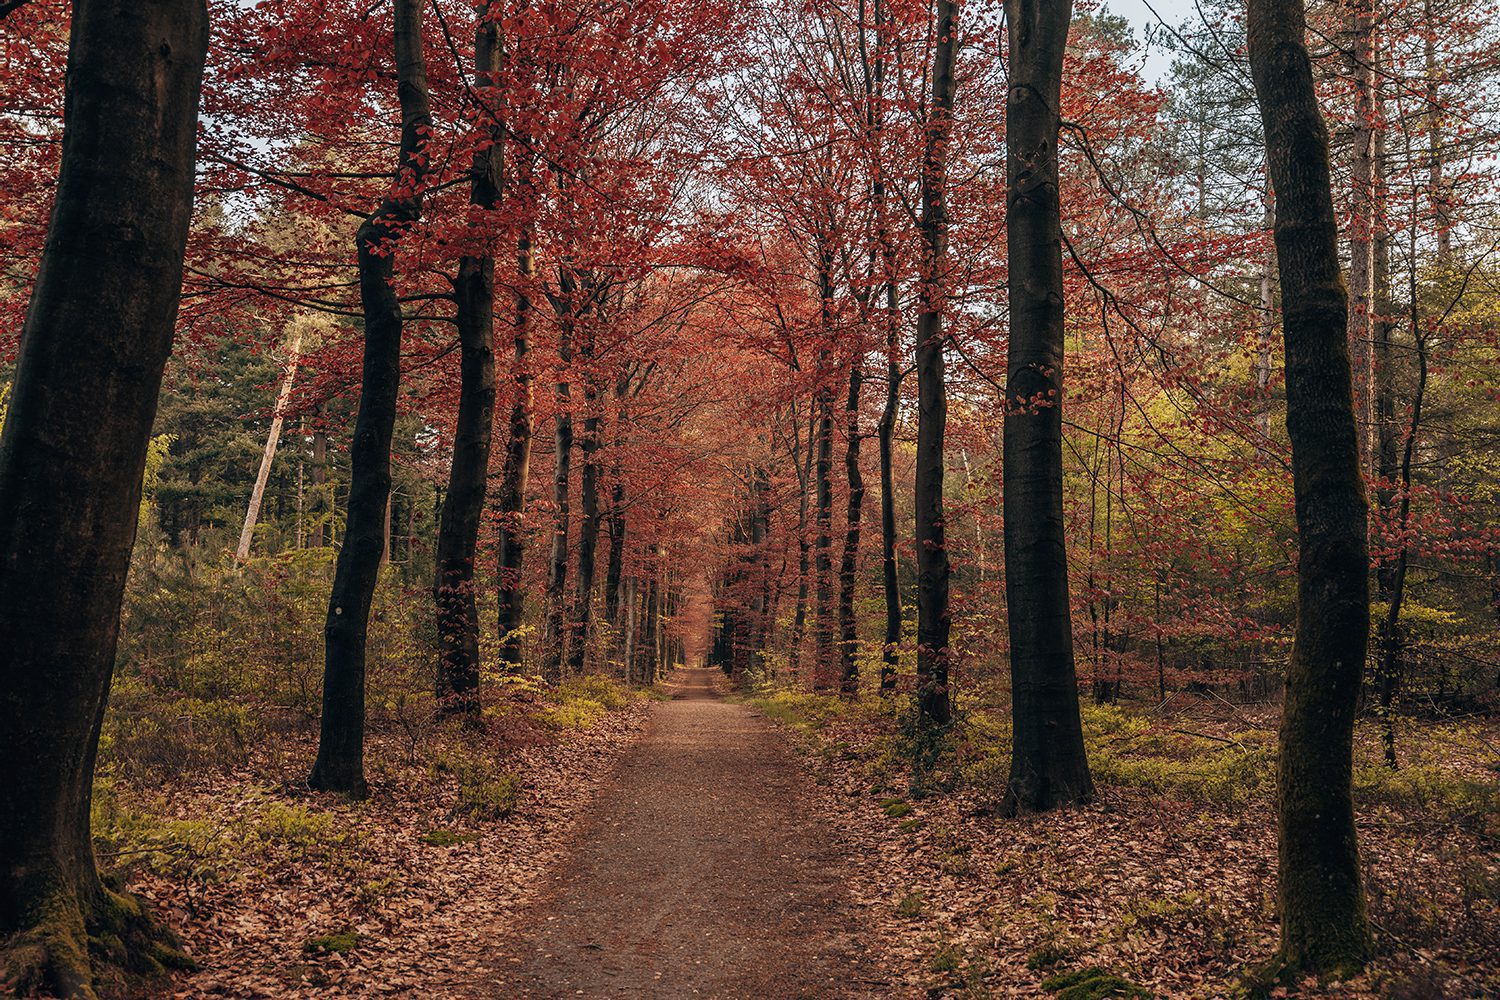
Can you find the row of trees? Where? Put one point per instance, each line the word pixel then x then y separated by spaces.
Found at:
pixel 705 228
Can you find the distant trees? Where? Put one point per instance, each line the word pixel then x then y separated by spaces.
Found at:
pixel 1324 928
pixel 95 342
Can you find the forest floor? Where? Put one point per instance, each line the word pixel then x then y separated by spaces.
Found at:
pixel 1165 885
pixel 780 844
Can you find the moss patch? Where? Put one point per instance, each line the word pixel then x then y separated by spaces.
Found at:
pixel 335 943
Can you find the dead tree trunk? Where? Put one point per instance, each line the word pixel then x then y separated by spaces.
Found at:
pixel 268 456
pixel 341 742
pixel 95 342
pixel 1324 928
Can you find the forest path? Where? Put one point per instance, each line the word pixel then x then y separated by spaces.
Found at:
pixel 702 869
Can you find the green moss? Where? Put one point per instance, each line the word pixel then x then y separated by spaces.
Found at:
pixel 1093 983
pixel 946 959
pixel 1048 955
pixel 491 797
pixel 447 838
pixel 896 808
pixel 335 943
pixel 801 709
pixel 910 825
pixel 911 905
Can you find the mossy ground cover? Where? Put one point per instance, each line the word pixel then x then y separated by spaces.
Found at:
pixel 1166 885
pixel 276 891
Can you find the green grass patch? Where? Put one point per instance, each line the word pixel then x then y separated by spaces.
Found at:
pixel 1092 983
pixel 330 944
pixel 447 838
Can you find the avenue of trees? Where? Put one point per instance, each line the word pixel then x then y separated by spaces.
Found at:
pixel 533 339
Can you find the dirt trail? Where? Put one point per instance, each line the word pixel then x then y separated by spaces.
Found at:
pixel 702 869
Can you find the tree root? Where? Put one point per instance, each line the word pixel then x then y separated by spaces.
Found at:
pixel 64 954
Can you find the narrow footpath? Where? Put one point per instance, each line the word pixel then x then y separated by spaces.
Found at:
pixel 702 869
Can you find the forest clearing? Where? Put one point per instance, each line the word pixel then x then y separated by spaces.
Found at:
pixel 814 498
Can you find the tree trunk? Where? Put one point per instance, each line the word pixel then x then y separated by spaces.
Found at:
pixel 1049 766
pixel 273 437
pixel 933 702
pixel 468 476
pixel 92 350
pixel 511 547
pixel 1324 928
pixel 555 636
pixel 823 485
pixel 322 504
pixel 1364 209
pixel 890 578
pixel 849 564
pixel 341 741
pixel 588 529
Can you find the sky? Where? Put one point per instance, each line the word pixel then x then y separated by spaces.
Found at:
pixel 1139 14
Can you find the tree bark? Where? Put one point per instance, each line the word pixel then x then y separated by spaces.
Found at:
pixel 1364 211
pixel 588 528
pixel 555 637
pixel 273 437
pixel 890 577
pixel 1324 927
pixel 96 339
pixel 933 702
pixel 468 476
pixel 511 547
pixel 340 763
pixel 1049 766
pixel 849 564
pixel 823 487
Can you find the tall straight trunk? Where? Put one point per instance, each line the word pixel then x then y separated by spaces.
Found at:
pixel 273 437
pixel 1392 642
pixel 92 350
pixel 1049 767
pixel 632 603
pixel 511 548
pixel 615 565
pixel 651 668
pixel 804 462
pixel 933 701
pixel 468 476
pixel 849 564
pixel 588 528
pixel 322 503
pixel 890 577
pixel 340 764
pixel 1364 210
pixel 823 485
pixel 1265 330
pixel 555 638
pixel 1324 927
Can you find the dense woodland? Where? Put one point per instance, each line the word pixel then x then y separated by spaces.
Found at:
pixel 396 392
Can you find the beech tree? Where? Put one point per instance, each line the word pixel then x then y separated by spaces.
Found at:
pixel 97 335
pixel 468 477
pixel 933 699
pixel 1320 894
pixel 1049 766
pixel 340 763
